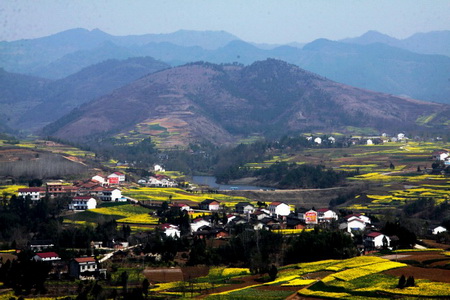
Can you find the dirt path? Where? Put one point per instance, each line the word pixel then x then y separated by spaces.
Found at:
pixel 246 281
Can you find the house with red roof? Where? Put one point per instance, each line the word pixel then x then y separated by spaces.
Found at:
pixel 46 256
pixel 198 223
pixel 364 218
pixel 260 214
pixel 355 224
pixel 310 217
pixel 60 189
pixel 170 230
pixel 209 204
pixel 440 155
pixel 280 209
pixel 116 178
pixel 376 240
pixel 180 206
pixel 83 268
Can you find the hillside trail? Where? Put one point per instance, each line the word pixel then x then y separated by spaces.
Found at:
pixel 245 282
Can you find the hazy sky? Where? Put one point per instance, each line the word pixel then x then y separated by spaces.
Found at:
pixel 262 21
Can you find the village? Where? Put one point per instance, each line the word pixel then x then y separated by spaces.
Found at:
pixel 179 225
pixel 217 221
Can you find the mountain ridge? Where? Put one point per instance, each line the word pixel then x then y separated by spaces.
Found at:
pixel 223 103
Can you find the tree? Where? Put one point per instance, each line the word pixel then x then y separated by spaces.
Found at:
pixel 273 271
pixel 410 281
pixel 124 281
pixel 401 282
pixel 145 286
pixel 391 166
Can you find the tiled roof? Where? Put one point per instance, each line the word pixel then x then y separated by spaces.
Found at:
pixel 30 190
pixel 47 254
pixel 374 234
pixel 84 259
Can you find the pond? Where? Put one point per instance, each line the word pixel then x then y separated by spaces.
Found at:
pixel 211 181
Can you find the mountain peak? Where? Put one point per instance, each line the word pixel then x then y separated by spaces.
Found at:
pixel 370 37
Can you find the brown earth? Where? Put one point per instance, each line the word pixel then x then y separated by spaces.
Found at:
pixel 423 256
pixel 433 274
pixel 434 244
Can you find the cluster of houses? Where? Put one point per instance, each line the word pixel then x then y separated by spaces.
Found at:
pixel 369 140
pixel 274 216
pixel 84 194
pixel 158 180
pixel 80 268
pixel 83 268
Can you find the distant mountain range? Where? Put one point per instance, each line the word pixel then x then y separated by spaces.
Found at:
pixel 435 42
pixel 417 67
pixel 223 103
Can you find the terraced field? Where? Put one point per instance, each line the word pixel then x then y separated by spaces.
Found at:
pixel 363 277
pixel 138 217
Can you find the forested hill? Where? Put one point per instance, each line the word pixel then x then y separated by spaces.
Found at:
pixel 222 103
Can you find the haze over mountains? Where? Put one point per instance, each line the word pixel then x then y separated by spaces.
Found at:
pixel 29 103
pixel 417 67
pixel 44 79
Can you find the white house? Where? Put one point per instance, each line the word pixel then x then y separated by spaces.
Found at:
pixel 158 168
pixel 153 181
pixel 356 224
pixel 364 218
pixel 376 240
pixel 99 178
pixel 82 203
pixel 83 268
pixel 309 217
pixel 111 195
pixel 326 215
pixel 440 155
pixel 199 222
pixel 46 256
pixel 210 204
pixel 34 193
pixel 244 208
pixel 369 142
pixel 401 136
pixel 279 208
pixel 170 230
pixel 438 230
pixel 167 182
pixel 332 140
pixel 318 140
